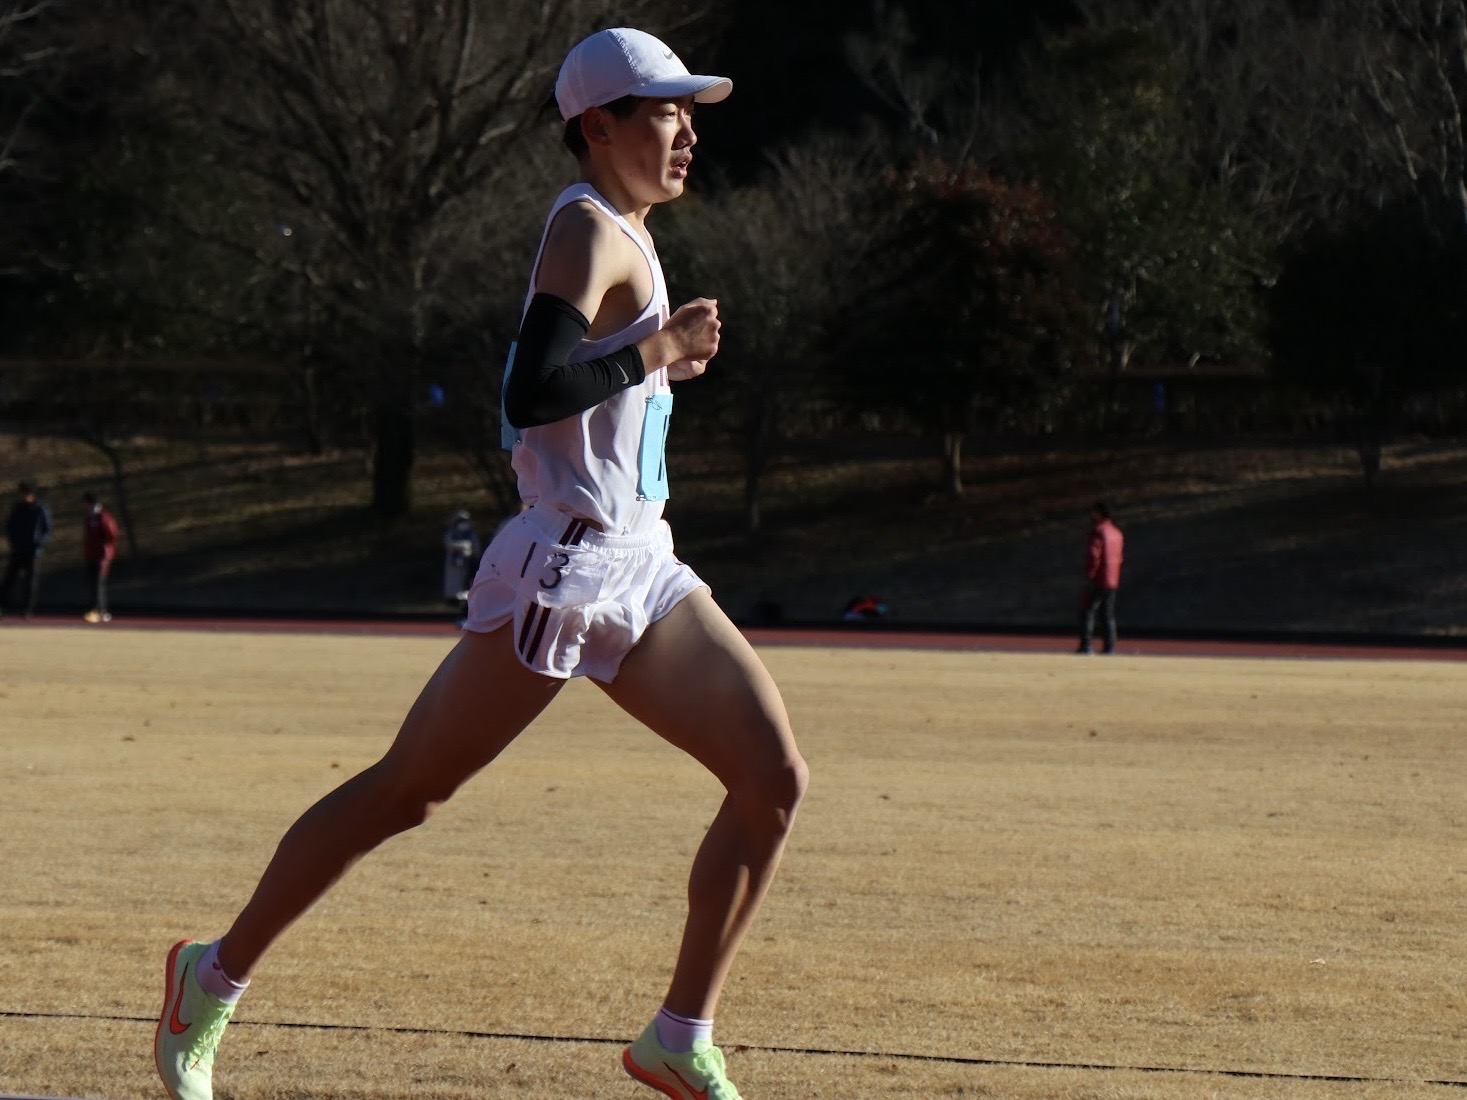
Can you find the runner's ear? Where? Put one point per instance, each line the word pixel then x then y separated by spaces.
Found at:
pixel 594 128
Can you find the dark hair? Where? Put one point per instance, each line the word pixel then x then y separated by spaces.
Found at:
pixel 1101 509
pixel 575 141
pixel 25 487
pixel 89 497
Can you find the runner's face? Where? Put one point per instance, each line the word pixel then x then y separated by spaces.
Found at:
pixel 654 147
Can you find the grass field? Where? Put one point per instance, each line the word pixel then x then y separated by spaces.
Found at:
pixel 1016 876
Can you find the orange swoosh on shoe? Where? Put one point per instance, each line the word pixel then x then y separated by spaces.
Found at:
pixel 696 1094
pixel 176 1025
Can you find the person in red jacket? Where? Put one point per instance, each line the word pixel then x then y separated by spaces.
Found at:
pixel 99 547
pixel 1103 554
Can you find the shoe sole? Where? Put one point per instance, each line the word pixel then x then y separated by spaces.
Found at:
pixel 168 995
pixel 639 1074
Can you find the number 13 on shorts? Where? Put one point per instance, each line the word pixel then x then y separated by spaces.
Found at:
pixel 652 457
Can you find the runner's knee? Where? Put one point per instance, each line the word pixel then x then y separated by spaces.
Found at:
pixel 770 796
pixel 399 803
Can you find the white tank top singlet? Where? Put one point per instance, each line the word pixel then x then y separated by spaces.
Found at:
pixel 605 464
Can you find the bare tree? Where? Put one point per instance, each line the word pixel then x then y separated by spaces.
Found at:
pixel 1300 111
pixel 21 56
pixel 1265 86
pixel 1414 71
pixel 26 55
pixel 934 105
pixel 777 256
pixel 392 135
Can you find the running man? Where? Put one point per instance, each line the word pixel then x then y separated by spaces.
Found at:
pixel 582 582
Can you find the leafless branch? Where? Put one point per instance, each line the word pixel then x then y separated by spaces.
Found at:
pixel 20 58
pixel 886 64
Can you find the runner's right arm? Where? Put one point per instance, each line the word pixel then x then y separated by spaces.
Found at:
pixel 586 257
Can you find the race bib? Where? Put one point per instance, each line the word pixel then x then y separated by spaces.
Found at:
pixel 652 455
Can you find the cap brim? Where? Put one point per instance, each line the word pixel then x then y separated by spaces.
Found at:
pixel 703 89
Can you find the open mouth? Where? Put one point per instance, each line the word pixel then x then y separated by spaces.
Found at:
pixel 679 166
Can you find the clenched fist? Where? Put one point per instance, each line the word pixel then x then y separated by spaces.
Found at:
pixel 694 331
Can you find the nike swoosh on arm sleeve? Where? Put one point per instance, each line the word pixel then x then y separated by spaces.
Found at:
pixel 543 386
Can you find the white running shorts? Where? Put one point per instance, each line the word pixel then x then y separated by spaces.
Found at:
pixel 579 599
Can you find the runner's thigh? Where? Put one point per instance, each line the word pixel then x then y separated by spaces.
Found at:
pixel 479 699
pixel 695 681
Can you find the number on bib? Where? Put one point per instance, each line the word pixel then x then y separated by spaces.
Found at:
pixel 652 456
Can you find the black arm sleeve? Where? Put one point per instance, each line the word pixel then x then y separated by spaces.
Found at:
pixel 542 386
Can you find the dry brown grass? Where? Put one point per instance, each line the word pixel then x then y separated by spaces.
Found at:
pixel 1015 876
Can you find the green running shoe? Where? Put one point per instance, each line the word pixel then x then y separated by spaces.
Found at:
pixel 696 1075
pixel 190 1027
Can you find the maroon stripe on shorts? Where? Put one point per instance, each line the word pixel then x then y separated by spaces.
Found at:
pixel 529 621
pixel 539 634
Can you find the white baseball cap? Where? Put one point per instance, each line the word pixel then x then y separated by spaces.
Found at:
pixel 620 62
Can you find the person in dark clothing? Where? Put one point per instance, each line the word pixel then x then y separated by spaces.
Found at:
pixel 27 528
pixel 99 545
pixel 1103 554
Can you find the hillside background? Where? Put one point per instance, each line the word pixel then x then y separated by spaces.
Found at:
pixel 1258 538
pixel 977 266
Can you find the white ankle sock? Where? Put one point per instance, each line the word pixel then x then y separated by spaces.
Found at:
pixel 214 981
pixel 678 1033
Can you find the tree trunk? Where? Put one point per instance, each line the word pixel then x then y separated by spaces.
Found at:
pixel 1369 439
pixel 1371 422
pixel 952 462
pixel 392 459
pixel 753 518
pixel 398 375
pixel 760 429
pixel 756 454
pixel 311 410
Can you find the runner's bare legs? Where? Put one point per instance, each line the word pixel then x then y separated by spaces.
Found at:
pixel 734 723
pixel 476 703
